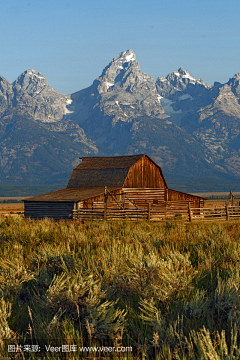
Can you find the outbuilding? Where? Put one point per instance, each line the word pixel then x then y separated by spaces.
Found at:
pixel 120 182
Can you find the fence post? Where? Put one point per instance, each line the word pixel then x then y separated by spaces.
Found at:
pixel 78 213
pixel 227 212
pixel 105 204
pixel 105 211
pixel 123 201
pixel 189 212
pixel 149 211
pixel 74 211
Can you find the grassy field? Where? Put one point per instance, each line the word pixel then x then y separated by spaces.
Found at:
pixel 162 290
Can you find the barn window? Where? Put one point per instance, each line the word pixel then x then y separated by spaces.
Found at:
pixel 155 202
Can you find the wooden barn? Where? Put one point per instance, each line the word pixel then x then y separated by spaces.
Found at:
pixel 123 183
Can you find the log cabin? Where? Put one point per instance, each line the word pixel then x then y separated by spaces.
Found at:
pixel 125 182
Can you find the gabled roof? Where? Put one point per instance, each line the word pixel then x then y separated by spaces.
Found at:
pixel 102 171
pixel 92 175
pixel 113 162
pixel 69 195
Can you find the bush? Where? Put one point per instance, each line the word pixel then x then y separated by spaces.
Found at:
pixel 170 290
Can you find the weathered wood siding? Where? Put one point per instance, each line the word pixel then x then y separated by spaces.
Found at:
pixel 97 200
pixel 159 199
pixel 141 197
pixel 133 196
pixel 52 210
pixel 178 196
pixel 137 198
pixel 145 174
pixel 164 202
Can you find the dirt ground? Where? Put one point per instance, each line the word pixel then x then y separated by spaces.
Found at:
pixel 220 202
pixel 11 208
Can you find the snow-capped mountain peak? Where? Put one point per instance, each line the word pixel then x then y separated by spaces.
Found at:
pixel 30 81
pixel 185 75
pixel 178 80
pixel 116 72
pixel 186 125
pixel 126 56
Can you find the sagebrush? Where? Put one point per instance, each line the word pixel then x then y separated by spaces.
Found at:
pixel 168 290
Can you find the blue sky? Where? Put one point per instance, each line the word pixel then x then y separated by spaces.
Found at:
pixel 70 42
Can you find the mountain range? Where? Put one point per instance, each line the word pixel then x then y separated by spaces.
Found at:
pixel 190 128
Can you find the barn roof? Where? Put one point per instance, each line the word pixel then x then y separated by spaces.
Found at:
pixel 113 162
pixel 104 171
pixel 89 178
pixel 70 195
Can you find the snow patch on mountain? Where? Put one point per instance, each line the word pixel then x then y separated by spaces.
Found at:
pixel 162 79
pixel 109 85
pixel 167 106
pixel 188 76
pixel 185 96
pixel 130 57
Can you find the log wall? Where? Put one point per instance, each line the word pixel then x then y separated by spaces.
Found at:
pixel 163 202
pixel 52 210
pixel 161 199
pixel 174 195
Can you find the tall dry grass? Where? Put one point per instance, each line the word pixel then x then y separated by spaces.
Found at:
pixel 168 290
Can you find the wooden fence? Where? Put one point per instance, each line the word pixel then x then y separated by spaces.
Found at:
pixel 171 212
pixel 110 214
pixel 218 213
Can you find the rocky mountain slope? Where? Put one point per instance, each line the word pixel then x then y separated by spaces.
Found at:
pixel 38 144
pixel 211 114
pixel 188 127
